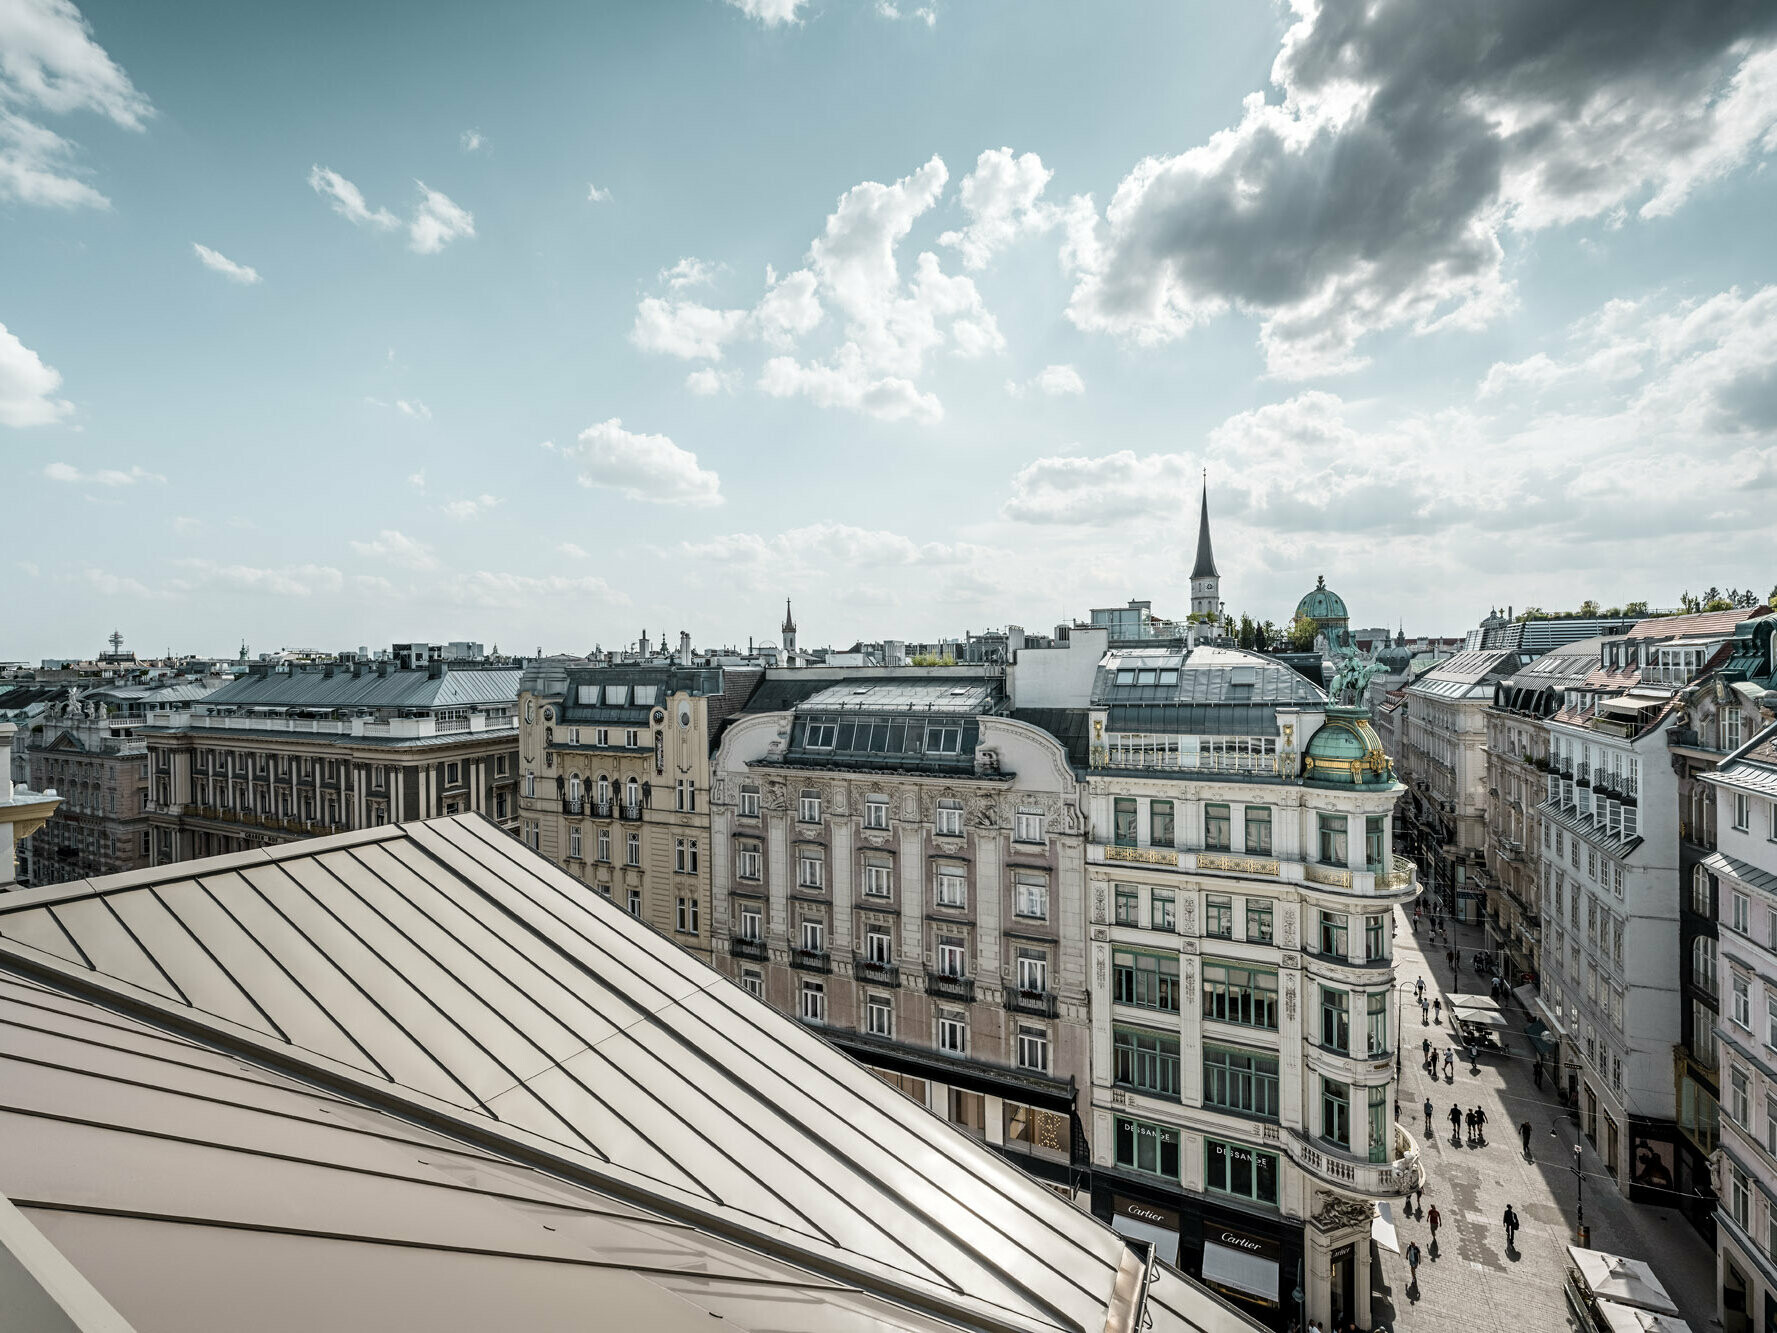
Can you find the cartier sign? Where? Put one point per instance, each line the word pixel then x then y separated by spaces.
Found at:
pixel 1166 1218
pixel 1239 1240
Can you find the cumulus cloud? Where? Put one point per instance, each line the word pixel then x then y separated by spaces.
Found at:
pixel 842 556
pixel 1122 485
pixel 503 591
pixel 708 382
pixel 50 64
pixel 287 581
pixel 473 507
pixel 1051 380
pixel 688 272
pixel 926 14
pixel 222 264
pixel 65 472
pixel 415 409
pixel 27 386
pixel 845 380
pixel 685 329
pixel 572 551
pixel 471 141
pixel 643 467
pixel 1373 192
pixel 435 222
pixel 771 13
pixel 1001 198
pixel 397 549
pixel 594 195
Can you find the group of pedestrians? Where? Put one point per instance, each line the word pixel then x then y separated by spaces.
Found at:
pixel 1470 1125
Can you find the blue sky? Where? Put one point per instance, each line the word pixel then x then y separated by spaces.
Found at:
pixel 1455 311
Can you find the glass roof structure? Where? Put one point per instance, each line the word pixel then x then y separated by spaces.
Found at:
pixel 415 1076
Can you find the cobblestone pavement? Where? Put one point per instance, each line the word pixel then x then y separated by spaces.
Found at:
pixel 1469 1281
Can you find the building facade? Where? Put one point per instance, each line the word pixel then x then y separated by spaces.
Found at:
pixel 899 863
pixel 1242 890
pixel 288 752
pixel 615 781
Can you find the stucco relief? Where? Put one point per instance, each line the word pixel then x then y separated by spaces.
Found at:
pixel 1289 998
pixel 1188 968
pixel 775 795
pixel 1334 1211
pixel 1099 912
pixel 1289 927
pixel 1187 915
pixel 982 812
pixel 837 796
pixel 1099 967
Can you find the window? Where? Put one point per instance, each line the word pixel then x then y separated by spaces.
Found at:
pixel 752 922
pixel 875 812
pixel 1742 987
pixel 1218 825
pixel 1236 994
pixel 635 902
pixel 1030 896
pixel 1739 1104
pixel 1742 914
pixel 1240 1080
pixel 752 981
pixel 1770 1017
pixel 879 1016
pixel 950 819
pixel 574 843
pixel 879 875
pixel 1147 981
pixel 1027 826
pixel 1150 1149
pixel 748 861
pixel 1160 910
pixel 1147 1061
pixel 1742 811
pixel 749 802
pixel 1033 971
pixel 1258 830
pixel 1160 823
pixel 944 739
pixel 1258 920
pixel 811 870
pixel 879 946
pixel 1123 832
pixel 1033 1049
pixel 1375 939
pixel 814 935
pixel 679 855
pixel 952 958
pixel 1128 905
pixel 1334 929
pixel 1376 1023
pixel 1771 1130
pixel 813 1005
pixel 1335 1024
pixel 808 808
pixel 1739 1197
pixel 953 887
pixel 632 852
pixel 1247 1173
pixel 688 916
pixel 604 845
pixel 1332 840
pixel 1218 916
pixel 1379 1119
pixel 1703 964
pixel 1730 728
pixel 818 733
pixel 953 1032
pixel 1335 1112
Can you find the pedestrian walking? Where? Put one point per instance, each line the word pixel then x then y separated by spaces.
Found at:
pixel 1536 1072
pixel 1428 1115
pixel 1419 988
pixel 1480 1125
pixel 1432 1219
pixel 1424 1011
pixel 1455 1122
pixel 1468 1126
pixel 1449 1064
pixel 1437 1011
pixel 1419 1190
pixel 1511 1225
pixel 1413 1260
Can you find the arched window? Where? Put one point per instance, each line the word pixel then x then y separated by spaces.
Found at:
pixel 574 787
pixel 1701 898
pixel 604 788
pixel 632 793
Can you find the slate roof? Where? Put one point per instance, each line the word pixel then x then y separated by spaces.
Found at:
pixel 350 1082
pixel 313 688
pixel 1071 726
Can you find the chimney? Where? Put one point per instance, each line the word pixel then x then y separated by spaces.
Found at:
pixel 436 670
pixel 684 647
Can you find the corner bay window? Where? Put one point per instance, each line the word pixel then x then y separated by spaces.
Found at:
pixel 1258 920
pixel 1239 1080
pixel 1334 928
pixel 1375 841
pixel 1335 1020
pixel 1152 1149
pixel 1375 939
pixel 1236 994
pixel 1148 981
pixel 1147 1061
pixel 1376 1020
pixel 1335 1112
pixel 1247 1173
pixel 1332 840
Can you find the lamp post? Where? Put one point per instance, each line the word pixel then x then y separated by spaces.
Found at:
pixel 1579 1192
pixel 1298 1296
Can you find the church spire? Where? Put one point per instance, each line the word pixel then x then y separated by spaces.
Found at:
pixel 1205 568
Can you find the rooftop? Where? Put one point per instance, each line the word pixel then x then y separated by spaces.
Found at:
pixel 324 689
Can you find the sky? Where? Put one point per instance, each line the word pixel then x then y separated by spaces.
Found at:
pixel 547 325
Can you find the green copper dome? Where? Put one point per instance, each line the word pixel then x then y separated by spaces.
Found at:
pixel 1347 749
pixel 1322 603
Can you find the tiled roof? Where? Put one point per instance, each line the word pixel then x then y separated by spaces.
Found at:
pixel 444 976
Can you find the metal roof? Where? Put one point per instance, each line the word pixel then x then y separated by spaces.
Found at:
pixel 316 688
pixel 1204 675
pixel 906 695
pixel 257 1066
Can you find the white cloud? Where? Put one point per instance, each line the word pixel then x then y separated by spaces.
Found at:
pixel 688 272
pixel 685 329
pixel 1373 193
pixel 49 63
pixel 926 14
pixel 771 12
pixel 348 200
pixel 417 480
pixel 471 141
pixel 183 523
pixel 437 221
pixel 27 386
pixel 474 507
pixel 594 195
pixel 107 584
pixel 788 310
pixel 643 467
pixel 225 266
pixel 504 591
pixel 398 549
pixel 708 382
pixel 415 409
pixel 1122 485
pixel 572 551
pixel 1051 380
pixel 113 477
pixel 1001 197
pixel 288 581
pixel 845 381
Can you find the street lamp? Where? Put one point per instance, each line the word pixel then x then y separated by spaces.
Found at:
pixel 1579 1190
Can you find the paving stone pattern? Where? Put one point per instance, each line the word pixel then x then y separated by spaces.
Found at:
pixel 1468 1281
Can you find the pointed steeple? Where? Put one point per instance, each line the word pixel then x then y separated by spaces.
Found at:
pixel 1205 568
pixel 789 626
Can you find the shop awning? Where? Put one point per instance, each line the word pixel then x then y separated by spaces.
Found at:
pixel 1249 1273
pixel 1481 1018
pixel 1527 997
pixel 1382 1230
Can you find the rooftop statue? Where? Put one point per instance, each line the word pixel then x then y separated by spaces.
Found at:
pixel 1353 678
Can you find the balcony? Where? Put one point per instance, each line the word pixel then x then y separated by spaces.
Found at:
pixel 1367 1180
pixel 950 988
pixel 573 805
pixel 627 811
pixel 811 960
pixel 877 974
pixel 1037 1003
pixel 601 809
pixel 742 947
